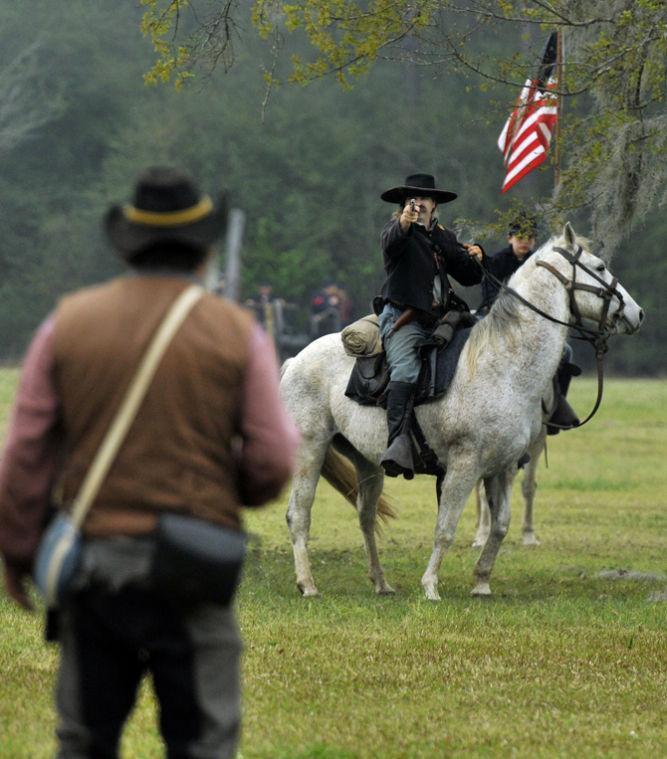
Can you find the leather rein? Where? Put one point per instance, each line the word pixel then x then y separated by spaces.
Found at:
pixel 597 337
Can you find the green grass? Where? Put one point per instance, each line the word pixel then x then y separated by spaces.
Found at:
pixel 559 662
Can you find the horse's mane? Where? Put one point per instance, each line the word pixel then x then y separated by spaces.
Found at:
pixel 486 334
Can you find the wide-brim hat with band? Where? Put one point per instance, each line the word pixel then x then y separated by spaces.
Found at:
pixel 167 207
pixel 418 185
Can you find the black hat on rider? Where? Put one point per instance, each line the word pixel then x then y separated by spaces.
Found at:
pixel 167 210
pixel 418 185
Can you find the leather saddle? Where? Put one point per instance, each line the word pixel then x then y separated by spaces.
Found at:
pixel 370 374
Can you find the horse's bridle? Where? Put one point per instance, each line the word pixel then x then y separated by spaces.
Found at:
pixel 596 337
pixel 606 293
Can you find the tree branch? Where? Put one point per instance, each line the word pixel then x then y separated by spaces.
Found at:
pixel 487 13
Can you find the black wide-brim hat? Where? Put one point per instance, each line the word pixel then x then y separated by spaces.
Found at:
pixel 418 185
pixel 167 208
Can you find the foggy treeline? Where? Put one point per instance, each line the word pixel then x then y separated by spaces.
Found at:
pixel 77 123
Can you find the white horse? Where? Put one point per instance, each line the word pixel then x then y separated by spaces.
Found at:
pixel 488 418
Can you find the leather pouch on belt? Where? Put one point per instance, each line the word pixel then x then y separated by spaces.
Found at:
pixel 196 561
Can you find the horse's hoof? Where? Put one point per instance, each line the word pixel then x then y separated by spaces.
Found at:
pixel 431 590
pixel 481 590
pixel 308 591
pixel 385 590
pixel 529 539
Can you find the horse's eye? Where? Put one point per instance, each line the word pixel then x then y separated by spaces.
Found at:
pixel 600 268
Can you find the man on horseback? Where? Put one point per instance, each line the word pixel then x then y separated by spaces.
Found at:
pixel 521 239
pixel 418 254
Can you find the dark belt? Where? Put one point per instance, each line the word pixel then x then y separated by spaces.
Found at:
pixel 410 314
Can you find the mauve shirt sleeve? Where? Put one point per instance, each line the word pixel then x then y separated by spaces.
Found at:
pixel 269 436
pixel 30 456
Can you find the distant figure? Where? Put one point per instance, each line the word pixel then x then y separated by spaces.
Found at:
pixel 276 315
pixel 262 306
pixel 330 310
pixel 210 437
pixel 344 306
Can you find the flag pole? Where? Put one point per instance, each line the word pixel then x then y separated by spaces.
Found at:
pixel 559 75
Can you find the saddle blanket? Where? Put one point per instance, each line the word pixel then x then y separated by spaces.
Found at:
pixel 370 374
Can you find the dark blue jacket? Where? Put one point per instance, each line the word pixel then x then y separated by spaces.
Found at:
pixel 411 267
pixel 501 265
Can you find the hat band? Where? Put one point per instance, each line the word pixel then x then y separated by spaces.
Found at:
pixel 169 218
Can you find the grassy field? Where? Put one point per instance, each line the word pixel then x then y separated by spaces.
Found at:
pixel 564 660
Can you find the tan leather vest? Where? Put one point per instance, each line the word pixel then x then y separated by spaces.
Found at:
pixel 179 452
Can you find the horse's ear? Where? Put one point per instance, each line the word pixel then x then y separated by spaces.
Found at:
pixel 568 234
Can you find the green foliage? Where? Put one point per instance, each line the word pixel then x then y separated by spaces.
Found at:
pixel 617 146
pixel 347 36
pixel 307 168
pixel 562 661
pixel 172 61
pixel 613 149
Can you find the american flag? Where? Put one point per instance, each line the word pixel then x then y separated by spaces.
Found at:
pixel 526 135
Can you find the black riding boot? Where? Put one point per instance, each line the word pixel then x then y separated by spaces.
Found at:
pixel 563 414
pixel 397 459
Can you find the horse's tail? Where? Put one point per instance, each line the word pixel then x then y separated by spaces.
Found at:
pixel 341 475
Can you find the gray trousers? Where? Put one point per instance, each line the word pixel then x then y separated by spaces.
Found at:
pixel 110 638
pixel 402 347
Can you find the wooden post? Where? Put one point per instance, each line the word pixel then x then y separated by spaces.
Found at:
pixel 233 242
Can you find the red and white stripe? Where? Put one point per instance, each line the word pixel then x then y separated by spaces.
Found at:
pixel 526 135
